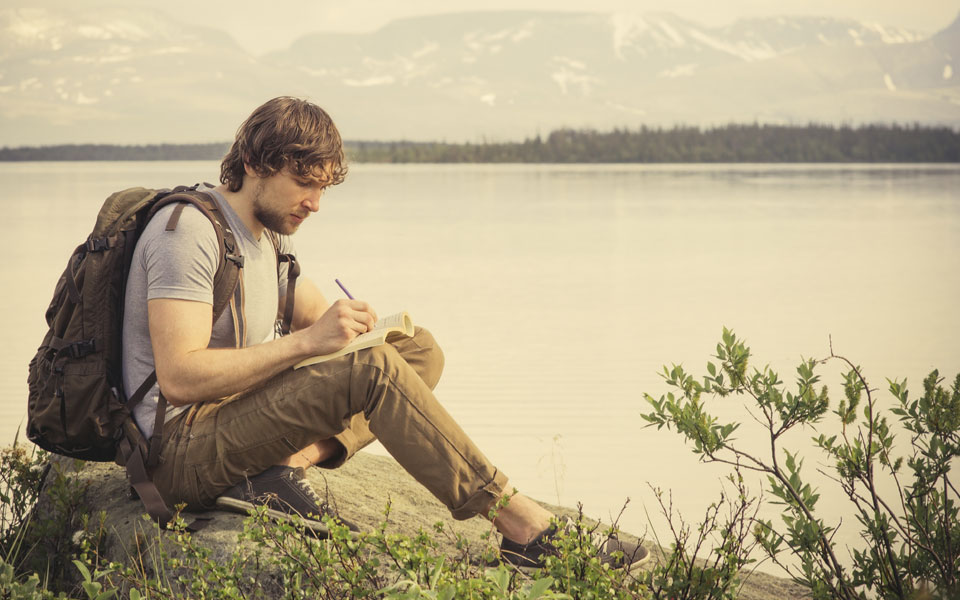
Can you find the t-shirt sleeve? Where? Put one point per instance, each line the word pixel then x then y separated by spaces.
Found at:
pixel 181 263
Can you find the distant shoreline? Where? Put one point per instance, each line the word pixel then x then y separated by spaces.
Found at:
pixel 728 144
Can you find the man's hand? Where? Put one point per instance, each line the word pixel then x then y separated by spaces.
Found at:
pixel 343 321
pixel 189 371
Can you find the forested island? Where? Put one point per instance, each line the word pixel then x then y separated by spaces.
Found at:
pixel 680 144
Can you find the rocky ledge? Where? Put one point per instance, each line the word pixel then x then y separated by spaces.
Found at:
pixel 360 490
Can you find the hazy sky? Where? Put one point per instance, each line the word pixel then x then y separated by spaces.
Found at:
pixel 261 26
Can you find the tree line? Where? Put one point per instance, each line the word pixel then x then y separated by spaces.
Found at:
pixel 730 143
pixel 69 152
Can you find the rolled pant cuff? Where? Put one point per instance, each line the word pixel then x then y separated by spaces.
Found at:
pixel 349 443
pixel 483 499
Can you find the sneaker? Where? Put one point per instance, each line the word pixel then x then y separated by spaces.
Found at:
pixel 531 555
pixel 284 491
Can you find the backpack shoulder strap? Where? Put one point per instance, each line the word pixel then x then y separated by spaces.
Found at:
pixel 225 282
pixel 227 275
pixel 225 285
pixel 231 260
pixel 293 271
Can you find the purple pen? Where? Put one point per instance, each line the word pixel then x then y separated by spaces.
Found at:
pixel 344 289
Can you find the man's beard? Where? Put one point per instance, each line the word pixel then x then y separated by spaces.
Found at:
pixel 271 219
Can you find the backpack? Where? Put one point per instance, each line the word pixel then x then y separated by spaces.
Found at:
pixel 76 405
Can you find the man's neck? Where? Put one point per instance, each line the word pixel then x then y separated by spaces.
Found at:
pixel 242 204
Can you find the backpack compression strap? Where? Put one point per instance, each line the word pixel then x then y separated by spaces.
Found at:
pixel 225 282
pixel 293 271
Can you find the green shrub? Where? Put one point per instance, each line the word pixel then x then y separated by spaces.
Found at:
pixel 683 574
pixel 21 474
pixel 30 545
pixel 911 541
pixel 281 560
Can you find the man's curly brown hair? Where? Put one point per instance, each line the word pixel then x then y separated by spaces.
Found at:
pixel 286 133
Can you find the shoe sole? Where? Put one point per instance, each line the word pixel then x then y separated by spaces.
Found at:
pixel 638 564
pixel 634 566
pixel 247 508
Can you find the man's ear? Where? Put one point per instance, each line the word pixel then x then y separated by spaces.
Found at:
pixel 249 170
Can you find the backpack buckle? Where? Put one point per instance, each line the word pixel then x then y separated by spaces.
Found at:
pixel 82 348
pixel 236 259
pixel 98 244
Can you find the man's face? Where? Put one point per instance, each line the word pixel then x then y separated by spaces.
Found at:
pixel 282 201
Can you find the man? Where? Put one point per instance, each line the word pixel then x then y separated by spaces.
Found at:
pixel 241 423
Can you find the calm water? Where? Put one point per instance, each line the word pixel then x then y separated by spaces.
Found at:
pixel 557 292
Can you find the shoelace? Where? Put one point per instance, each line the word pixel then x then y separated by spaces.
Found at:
pixel 311 493
pixel 598 537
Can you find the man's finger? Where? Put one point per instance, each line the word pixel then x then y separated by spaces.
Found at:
pixel 358 305
pixel 358 326
pixel 366 319
pixel 362 310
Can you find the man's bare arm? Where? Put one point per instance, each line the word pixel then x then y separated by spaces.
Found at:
pixel 190 372
pixel 308 305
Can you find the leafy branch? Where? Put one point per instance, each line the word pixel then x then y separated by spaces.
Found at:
pixel 910 544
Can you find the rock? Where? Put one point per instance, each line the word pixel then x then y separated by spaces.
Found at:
pixel 360 491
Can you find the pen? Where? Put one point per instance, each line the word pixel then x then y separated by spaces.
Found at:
pixel 344 289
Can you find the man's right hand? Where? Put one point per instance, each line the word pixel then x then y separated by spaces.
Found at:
pixel 343 321
pixel 189 371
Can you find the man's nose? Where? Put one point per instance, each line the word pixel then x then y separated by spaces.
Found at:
pixel 312 200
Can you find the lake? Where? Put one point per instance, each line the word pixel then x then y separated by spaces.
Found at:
pixel 558 292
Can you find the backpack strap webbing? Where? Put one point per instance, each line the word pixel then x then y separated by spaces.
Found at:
pixel 293 271
pixel 138 457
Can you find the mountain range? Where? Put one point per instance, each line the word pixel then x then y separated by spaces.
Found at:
pixel 136 76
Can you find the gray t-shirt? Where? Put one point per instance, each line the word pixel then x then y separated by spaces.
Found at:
pixel 181 264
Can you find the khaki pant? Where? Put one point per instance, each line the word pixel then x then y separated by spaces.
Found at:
pixel 380 393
